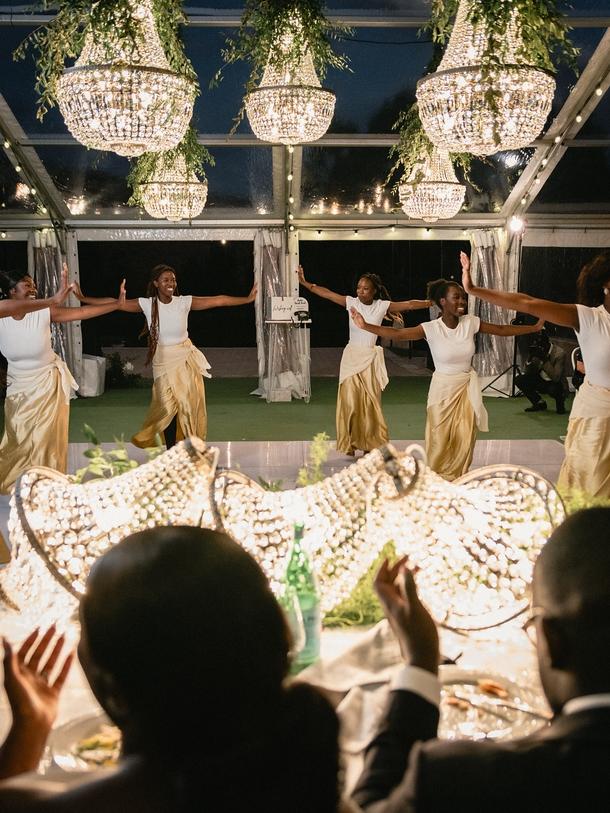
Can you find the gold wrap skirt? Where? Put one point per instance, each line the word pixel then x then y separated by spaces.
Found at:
pixel 454 413
pixel 586 466
pixel 36 418
pixel 360 421
pixel 177 391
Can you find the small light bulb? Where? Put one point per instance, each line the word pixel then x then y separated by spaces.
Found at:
pixel 523 201
pixel 290 216
pixel 557 139
pixel 516 224
pixel 289 176
pixel 44 210
pixel 393 228
pixel 7 144
pixel 223 242
pixel 544 162
pixel 17 168
pixel 3 235
pixel 579 118
pixel 291 227
pixel 536 181
pixel 290 149
pixel 290 199
pixel 32 191
pixel 599 91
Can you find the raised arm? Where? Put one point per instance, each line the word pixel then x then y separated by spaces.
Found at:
pixel 129 305
pixel 556 312
pixel 19 307
pixel 411 333
pixel 89 311
pixel 511 330
pixel 202 303
pixel 320 290
pixel 410 305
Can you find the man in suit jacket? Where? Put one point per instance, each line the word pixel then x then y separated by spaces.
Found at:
pixel 566 766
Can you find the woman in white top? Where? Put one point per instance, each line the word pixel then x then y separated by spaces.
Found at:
pixel 455 408
pixel 587 448
pixel 362 375
pixel 36 410
pixel 177 409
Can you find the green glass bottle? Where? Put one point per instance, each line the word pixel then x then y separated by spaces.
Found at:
pixel 301 579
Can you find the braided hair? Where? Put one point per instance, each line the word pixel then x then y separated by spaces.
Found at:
pixel 152 332
pixel 439 288
pixel 591 280
pixel 10 280
pixel 381 292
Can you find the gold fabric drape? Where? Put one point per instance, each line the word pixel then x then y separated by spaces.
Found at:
pixel 455 411
pixel 36 417
pixel 360 421
pixel 177 390
pixel 586 466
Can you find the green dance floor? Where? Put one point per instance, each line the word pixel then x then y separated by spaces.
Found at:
pixel 233 414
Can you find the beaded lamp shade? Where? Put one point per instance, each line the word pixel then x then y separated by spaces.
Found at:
pixel 456 108
pixel 432 192
pixel 123 96
pixel 475 540
pixel 174 194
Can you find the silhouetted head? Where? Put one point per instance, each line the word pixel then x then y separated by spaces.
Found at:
pixel 593 283
pixel 17 285
pixel 572 607
pixel 447 295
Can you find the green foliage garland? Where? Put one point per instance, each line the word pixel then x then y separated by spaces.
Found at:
pixel 301 24
pixel 144 168
pixel 414 146
pixel 543 27
pixel 63 37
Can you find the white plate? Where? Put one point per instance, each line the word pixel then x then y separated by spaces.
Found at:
pixel 61 747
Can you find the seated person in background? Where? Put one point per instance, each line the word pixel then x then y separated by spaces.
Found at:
pixel 562 767
pixel 543 374
pixel 186 649
pixel 578 376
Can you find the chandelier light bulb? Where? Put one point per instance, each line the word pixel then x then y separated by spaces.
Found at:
pixel 436 196
pixel 290 106
pixel 516 225
pixel 454 104
pixel 123 96
pixel 173 194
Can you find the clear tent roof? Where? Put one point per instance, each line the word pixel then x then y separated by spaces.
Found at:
pixel 341 178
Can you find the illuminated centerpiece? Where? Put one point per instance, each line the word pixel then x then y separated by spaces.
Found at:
pixel 432 192
pixel 122 95
pixel 465 107
pixel 475 540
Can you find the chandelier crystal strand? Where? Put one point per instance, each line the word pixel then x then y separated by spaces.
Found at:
pixel 173 193
pixel 455 105
pixel 123 96
pixel 290 106
pixel 438 195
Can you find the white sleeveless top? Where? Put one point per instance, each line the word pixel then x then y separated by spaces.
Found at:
pixel 452 349
pixel 173 318
pixel 26 343
pixel 373 314
pixel 594 340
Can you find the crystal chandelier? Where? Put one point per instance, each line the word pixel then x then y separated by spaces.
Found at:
pixel 123 96
pixel 173 193
pixel 437 195
pixel 454 102
pixel 290 106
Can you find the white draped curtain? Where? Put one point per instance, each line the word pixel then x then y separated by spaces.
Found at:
pixel 283 351
pixel 495 261
pixel 45 260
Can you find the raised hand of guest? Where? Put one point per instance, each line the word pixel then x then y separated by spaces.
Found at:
pixel 408 617
pixel 301 275
pixel 64 289
pixel 122 297
pixel 33 695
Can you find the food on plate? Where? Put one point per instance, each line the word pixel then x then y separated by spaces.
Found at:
pixel 102 749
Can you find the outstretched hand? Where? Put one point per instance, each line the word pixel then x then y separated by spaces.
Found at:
pixel 410 620
pixel 357 318
pixel 466 278
pixel 64 289
pixel 301 275
pixel 32 694
pixel 122 297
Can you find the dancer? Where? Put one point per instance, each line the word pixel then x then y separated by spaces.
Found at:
pixel 177 409
pixel 455 408
pixel 586 466
pixel 363 374
pixel 36 410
